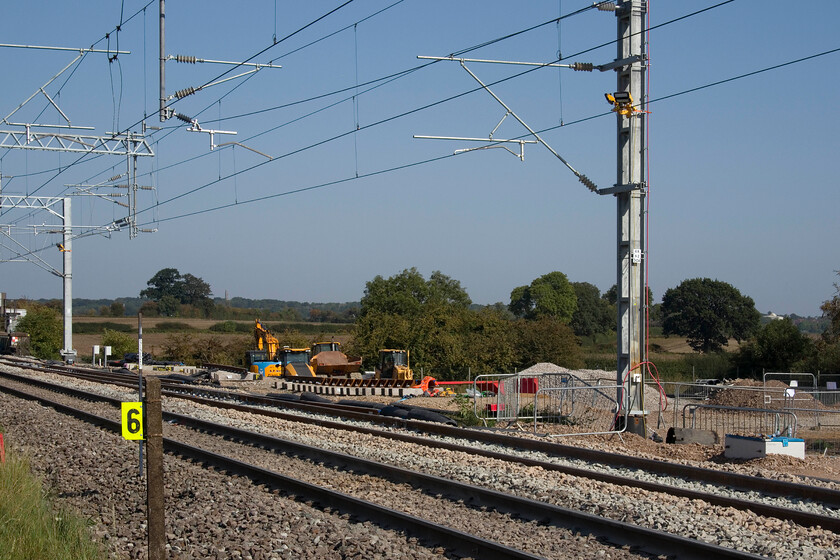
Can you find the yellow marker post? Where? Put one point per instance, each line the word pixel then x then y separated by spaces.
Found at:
pixel 132 420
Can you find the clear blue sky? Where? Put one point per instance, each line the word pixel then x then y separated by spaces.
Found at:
pixel 743 177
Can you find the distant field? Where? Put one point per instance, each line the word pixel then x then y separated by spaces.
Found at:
pixel 154 342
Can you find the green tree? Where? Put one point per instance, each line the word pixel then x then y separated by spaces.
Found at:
pixel 165 282
pixel 831 311
pixel 121 343
pixel 117 309
pixel 171 290
pixel 490 345
pixel 195 291
pixel 708 313
pixel 428 317
pixel 547 340
pixel 550 295
pixel 167 306
pixel 593 315
pixel 408 292
pixel 45 329
pixel 777 346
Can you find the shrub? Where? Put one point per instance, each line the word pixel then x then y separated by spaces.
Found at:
pixel 121 343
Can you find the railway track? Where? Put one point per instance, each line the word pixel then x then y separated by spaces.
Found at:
pixel 358 465
pixel 646 541
pixel 748 485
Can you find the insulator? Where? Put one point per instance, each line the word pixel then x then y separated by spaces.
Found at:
pixel 588 182
pixel 583 66
pixel 185 59
pixel 606 6
pixel 183 117
pixel 114 178
pixel 180 94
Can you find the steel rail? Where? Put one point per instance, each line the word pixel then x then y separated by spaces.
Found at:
pixel 745 483
pixel 797 516
pixel 615 532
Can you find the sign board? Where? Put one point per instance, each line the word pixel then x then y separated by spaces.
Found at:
pixel 132 420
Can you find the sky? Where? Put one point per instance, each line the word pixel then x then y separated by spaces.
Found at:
pixel 742 174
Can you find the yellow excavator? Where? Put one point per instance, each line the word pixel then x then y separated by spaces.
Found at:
pixel 270 360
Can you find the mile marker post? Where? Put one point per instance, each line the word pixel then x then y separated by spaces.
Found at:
pixel 154 468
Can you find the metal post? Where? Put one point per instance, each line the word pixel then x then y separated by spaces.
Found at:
pixel 140 375
pixel 162 48
pixel 631 284
pixel 67 278
pixel 154 464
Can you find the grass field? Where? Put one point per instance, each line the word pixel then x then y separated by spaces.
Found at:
pixel 32 527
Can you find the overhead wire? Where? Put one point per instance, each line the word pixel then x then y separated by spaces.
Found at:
pixel 424 107
pixel 436 103
pixel 394 117
pixel 431 160
pixel 83 156
pixel 380 80
pixel 442 157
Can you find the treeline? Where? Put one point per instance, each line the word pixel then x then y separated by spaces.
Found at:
pixel 235 309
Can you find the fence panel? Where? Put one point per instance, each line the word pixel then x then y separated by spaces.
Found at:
pixel 739 420
pixel 577 409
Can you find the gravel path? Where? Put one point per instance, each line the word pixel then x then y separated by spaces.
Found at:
pixel 724 526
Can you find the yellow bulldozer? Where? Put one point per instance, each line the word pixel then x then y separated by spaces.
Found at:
pixel 394 364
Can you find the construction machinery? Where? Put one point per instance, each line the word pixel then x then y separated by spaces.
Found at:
pixel 394 364
pixel 328 359
pixel 294 362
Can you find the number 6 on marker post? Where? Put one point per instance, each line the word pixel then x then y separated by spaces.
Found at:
pixel 132 420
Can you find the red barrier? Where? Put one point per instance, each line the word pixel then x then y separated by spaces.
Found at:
pixel 2 450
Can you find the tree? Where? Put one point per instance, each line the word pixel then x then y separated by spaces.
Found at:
pixel 166 282
pixel 121 343
pixel 195 291
pixel 45 330
pixel 547 340
pixel 117 309
pixel 708 313
pixel 550 295
pixel 594 314
pixel 777 346
pixel 430 318
pixel 407 293
pixel 170 290
pixel 831 311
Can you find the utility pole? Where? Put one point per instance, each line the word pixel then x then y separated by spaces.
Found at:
pixel 68 352
pixel 630 195
pixel 162 44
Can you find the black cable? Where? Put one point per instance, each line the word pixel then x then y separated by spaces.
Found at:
pixel 578 121
pixel 406 113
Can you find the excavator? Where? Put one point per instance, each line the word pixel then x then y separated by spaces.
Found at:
pixel 328 359
pixel 270 360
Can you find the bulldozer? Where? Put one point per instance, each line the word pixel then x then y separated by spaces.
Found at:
pixel 394 364
pixel 328 359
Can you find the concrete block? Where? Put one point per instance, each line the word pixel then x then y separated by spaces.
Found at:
pixel 744 447
pixel 691 435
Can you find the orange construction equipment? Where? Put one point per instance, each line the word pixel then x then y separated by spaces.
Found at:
pixel 428 385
